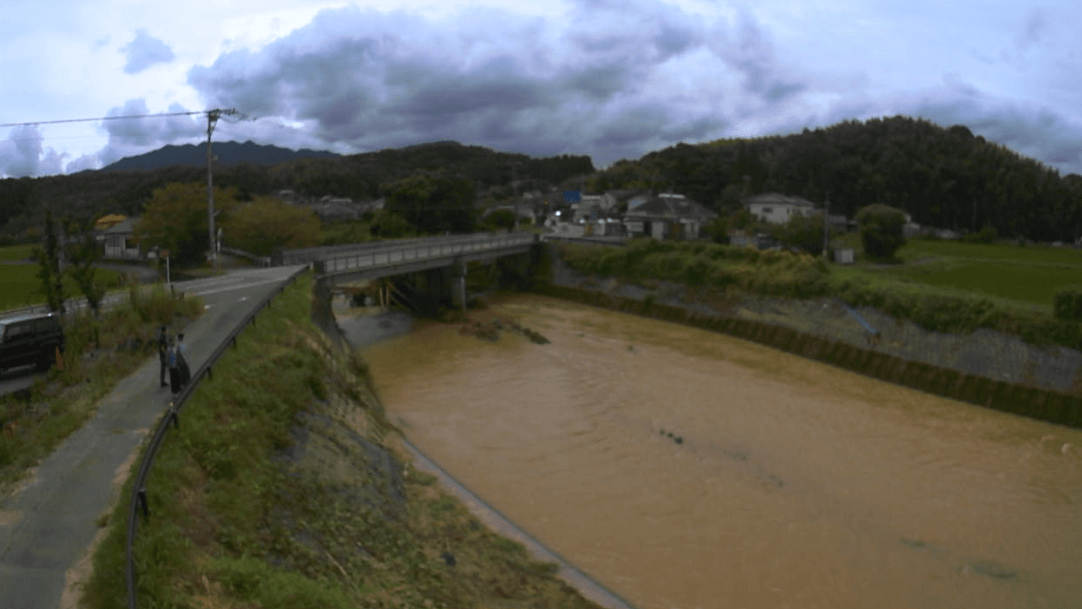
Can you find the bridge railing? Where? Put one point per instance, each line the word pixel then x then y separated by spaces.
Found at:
pixel 313 254
pixel 425 249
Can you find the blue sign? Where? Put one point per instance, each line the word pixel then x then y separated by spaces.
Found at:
pixel 572 196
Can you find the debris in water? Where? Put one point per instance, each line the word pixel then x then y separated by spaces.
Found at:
pixel 989 569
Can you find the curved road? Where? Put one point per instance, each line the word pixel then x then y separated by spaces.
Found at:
pixel 47 525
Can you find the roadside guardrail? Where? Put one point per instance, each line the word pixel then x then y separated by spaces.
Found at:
pixel 172 418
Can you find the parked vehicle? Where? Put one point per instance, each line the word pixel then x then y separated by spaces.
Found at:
pixel 30 340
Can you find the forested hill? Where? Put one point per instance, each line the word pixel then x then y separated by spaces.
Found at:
pixel 23 201
pixel 227 153
pixel 944 177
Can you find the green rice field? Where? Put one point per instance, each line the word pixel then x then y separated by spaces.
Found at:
pixel 1024 274
pixel 20 286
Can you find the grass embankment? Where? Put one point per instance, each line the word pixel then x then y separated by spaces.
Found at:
pixel 909 291
pixel 279 491
pixel 99 353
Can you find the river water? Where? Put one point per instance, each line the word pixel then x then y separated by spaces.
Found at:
pixel 686 469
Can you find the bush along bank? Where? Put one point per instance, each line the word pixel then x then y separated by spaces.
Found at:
pixel 285 488
pixel 1051 406
pixel 785 274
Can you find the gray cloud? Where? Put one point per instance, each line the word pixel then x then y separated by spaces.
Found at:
pixel 129 137
pixel 145 51
pixel 1032 29
pixel 372 80
pixel 134 136
pixel 22 154
pixel 1036 132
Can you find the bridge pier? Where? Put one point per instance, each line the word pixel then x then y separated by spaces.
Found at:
pixel 458 273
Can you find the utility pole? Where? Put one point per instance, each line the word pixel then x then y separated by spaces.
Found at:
pixel 826 231
pixel 212 119
pixel 514 185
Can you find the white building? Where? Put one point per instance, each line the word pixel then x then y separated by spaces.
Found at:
pixel 778 209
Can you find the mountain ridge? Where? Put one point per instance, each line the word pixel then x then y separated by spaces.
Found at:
pixel 226 154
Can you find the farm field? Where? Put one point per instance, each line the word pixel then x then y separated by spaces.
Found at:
pixel 1021 274
pixel 21 286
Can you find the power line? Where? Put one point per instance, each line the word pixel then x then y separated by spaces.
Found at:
pixel 104 118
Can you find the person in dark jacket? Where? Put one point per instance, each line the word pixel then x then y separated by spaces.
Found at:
pixel 174 370
pixel 182 362
pixel 163 355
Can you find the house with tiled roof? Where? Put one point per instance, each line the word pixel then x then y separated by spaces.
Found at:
pixel 119 241
pixel 667 216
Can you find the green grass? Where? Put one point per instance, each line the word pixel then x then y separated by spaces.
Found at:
pixel 14 253
pixel 99 353
pixel 22 287
pixel 1026 275
pixel 234 525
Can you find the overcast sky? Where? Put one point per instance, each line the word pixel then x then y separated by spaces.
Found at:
pixel 607 78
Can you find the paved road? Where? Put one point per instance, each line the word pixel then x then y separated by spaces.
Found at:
pixel 14 379
pixel 47 526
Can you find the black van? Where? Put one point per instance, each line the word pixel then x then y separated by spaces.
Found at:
pixel 30 339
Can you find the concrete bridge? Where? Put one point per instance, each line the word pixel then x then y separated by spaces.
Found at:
pixel 438 263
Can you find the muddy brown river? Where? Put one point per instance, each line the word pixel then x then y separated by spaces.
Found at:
pixel 686 469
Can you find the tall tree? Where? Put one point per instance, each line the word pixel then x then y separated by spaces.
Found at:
pixel 83 251
pixel 434 202
pixel 48 259
pixel 176 219
pixel 268 223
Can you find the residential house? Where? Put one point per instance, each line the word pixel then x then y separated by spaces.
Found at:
pixel 119 241
pixel 108 221
pixel 777 208
pixel 594 207
pixel 667 216
pixel 910 228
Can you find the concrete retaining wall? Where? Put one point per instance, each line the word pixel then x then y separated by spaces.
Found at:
pixel 1033 402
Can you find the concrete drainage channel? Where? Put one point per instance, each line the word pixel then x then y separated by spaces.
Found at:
pixel 589 588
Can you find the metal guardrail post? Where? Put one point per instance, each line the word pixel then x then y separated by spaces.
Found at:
pixel 143 503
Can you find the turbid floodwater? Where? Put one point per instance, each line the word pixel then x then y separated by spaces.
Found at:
pixel 686 469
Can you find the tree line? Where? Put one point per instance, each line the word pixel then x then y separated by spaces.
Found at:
pixel 943 177
pixel 88 195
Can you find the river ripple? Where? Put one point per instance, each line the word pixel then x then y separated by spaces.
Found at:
pixel 784 483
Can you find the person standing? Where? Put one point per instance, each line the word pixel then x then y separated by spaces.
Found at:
pixel 163 355
pixel 174 371
pixel 182 361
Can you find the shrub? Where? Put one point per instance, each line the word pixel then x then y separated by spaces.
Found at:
pixel 1067 303
pixel 987 234
pixel 881 230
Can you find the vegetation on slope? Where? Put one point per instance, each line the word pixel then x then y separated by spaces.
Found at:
pixel 936 307
pixel 282 489
pixel 944 177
